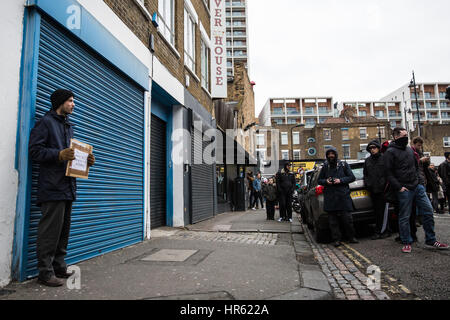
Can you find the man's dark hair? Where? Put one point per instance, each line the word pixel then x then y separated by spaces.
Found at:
pixel 396 131
pixel 417 140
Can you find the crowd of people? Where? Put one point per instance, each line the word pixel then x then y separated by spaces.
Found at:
pixel 396 174
pixel 275 190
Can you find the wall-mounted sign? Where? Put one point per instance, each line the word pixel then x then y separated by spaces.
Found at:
pixel 219 50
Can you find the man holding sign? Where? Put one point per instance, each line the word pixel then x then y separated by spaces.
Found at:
pixel 49 145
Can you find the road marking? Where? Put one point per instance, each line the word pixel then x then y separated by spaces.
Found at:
pixel 404 289
pixel 358 254
pixel 351 257
pixel 393 287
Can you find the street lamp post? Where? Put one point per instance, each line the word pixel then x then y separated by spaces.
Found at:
pixel 292 139
pixel 379 132
pixel 413 84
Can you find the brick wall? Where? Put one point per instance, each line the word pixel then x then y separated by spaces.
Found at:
pixel 433 135
pixel 241 91
pixel 133 17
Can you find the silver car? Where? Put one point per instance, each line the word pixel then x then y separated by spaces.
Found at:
pixel 317 219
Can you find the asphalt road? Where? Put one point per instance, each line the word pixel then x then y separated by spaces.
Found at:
pixel 424 272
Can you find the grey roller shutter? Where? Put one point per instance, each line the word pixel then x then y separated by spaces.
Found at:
pixel 109 115
pixel 202 181
pixel 158 173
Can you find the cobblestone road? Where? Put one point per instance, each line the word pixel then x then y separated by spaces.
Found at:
pixel 264 239
pixel 348 274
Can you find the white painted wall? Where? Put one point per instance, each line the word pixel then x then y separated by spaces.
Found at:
pixel 11 33
pixel 178 159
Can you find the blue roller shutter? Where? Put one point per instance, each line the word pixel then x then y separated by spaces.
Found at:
pixel 109 114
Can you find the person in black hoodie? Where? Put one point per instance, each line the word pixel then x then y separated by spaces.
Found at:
pixel 375 181
pixel 402 172
pixel 50 147
pixel 336 176
pixel 285 182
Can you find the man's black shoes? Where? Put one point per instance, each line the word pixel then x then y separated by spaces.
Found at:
pixel 52 282
pixel 63 274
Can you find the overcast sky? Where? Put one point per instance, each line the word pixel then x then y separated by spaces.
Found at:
pixel 347 49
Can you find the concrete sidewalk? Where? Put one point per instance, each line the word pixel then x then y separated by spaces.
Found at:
pixel 235 256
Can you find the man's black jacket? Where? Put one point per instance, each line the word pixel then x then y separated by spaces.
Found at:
pixel 49 136
pixel 444 172
pixel 285 182
pixel 402 169
pixel 374 173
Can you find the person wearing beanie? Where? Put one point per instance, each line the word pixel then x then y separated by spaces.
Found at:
pixel 49 146
pixel 375 181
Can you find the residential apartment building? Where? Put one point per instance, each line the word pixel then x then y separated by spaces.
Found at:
pixel 391 111
pixel 141 74
pixel 297 111
pixel 433 107
pixel 237 34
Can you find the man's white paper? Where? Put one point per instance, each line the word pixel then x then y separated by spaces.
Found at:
pixel 80 162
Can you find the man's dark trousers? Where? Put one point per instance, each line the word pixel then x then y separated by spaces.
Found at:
pixel 258 196
pixel 270 208
pixel 379 204
pixel 53 237
pixel 347 220
pixel 285 205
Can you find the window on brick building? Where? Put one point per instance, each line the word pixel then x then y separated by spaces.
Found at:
pixel 363 133
pixel 446 142
pixel 284 138
pixel 205 65
pixel 296 138
pixel 345 135
pixel 327 134
pixel 297 154
pixel 346 149
pixel 189 39
pixel 285 154
pixel 166 14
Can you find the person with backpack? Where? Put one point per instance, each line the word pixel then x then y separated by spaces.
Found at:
pixel 375 181
pixel 336 176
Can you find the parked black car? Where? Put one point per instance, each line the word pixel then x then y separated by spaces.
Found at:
pixel 317 219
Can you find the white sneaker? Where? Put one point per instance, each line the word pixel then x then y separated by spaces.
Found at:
pixel 280 219
pixel 290 220
pixel 254 209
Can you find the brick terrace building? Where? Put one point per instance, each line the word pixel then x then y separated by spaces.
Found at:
pixel 349 134
pixel 388 110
